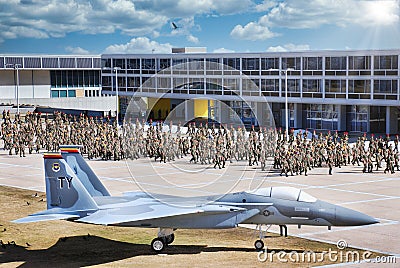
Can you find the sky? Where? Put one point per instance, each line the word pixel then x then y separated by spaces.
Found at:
pixel 145 26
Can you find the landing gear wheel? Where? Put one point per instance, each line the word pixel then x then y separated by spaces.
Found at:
pixel 259 245
pixel 158 244
pixel 170 238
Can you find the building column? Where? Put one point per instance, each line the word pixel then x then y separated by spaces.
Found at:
pixel 391 120
pixel 223 112
pixel 342 118
pixel 259 113
pixel 298 118
pixel 189 110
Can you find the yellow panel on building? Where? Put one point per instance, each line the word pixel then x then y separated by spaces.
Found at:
pixel 201 107
pixel 80 93
pixel 160 108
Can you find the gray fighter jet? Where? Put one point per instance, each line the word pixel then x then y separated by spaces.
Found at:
pixel 75 193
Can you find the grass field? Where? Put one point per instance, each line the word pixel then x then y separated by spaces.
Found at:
pixel 68 244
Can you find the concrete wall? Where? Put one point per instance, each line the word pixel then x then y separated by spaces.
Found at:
pixel 32 84
pixel 93 103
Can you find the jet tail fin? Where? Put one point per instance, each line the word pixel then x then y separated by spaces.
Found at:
pixel 82 170
pixel 66 196
pixel 64 190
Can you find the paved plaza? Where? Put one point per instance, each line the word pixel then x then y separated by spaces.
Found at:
pixel 376 194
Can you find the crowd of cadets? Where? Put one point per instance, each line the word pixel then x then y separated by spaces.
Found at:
pixel 202 144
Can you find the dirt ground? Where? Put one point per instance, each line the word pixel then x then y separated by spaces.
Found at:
pixel 68 244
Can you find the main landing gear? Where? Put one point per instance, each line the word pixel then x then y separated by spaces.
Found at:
pixel 165 237
pixel 259 244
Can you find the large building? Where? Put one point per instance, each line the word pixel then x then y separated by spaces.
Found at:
pixel 64 82
pixel 356 91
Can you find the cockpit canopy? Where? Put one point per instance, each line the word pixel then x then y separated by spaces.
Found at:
pixel 285 192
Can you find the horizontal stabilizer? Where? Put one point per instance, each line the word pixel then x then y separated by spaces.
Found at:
pixel 45 217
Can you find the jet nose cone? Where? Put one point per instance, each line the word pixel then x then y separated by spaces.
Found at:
pixel 349 217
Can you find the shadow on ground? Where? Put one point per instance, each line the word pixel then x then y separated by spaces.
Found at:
pixel 78 251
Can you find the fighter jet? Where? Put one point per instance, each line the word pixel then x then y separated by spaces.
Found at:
pixel 76 194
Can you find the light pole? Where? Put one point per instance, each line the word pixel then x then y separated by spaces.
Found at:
pixel 116 91
pixel 16 67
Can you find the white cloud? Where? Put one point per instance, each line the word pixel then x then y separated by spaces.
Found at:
pixel 139 45
pixel 300 14
pixel 288 47
pixel 192 39
pixel 77 50
pixel 265 5
pixel 252 31
pixel 190 8
pixel 56 18
pixel 223 50
pixel 305 14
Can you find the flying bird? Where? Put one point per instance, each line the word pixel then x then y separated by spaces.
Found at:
pixel 174 26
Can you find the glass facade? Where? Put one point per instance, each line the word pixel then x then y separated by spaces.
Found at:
pixel 74 78
pixel 322 116
pixel 327 85
pixel 377 119
pixel 357 118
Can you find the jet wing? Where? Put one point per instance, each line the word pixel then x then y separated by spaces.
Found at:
pixel 152 211
pixel 45 217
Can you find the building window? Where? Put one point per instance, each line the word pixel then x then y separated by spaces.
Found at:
pixel 231 86
pixel 269 87
pixel 164 64
pixel 291 63
pixel 63 93
pixel 119 63
pixel 322 116
pixel 359 62
pixel 335 63
pixel 269 63
pixel 196 66
pixel 377 120
pixel 250 64
pixel 133 64
pixel 148 64
pixel 312 63
pixel 386 62
pixel 55 94
pixel 250 87
pixel 233 63
pixel 105 63
pixel 214 86
pixel 74 78
pixel 71 93
pixel 359 89
pixel 293 87
pixel 335 89
pixel 385 89
pixel 213 64
pixel 312 88
pixel 357 118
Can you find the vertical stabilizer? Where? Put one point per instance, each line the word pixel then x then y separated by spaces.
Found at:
pixel 83 171
pixel 63 188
